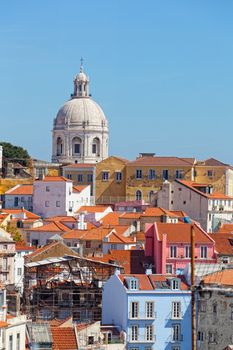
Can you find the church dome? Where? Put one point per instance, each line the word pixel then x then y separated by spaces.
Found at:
pixel 79 110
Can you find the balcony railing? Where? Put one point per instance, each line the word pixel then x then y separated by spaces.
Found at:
pixel 142 316
pixel 141 339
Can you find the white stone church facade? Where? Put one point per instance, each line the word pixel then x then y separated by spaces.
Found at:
pixel 80 130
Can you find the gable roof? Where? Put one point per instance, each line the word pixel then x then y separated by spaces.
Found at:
pixel 28 214
pixel 181 233
pixel 53 249
pixel 214 162
pixel 54 226
pixel 158 211
pixel 111 218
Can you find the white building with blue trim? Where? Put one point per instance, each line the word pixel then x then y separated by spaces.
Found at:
pixel 154 311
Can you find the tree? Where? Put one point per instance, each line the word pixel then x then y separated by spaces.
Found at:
pixel 15 234
pixel 14 152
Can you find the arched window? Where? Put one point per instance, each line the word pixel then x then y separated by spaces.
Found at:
pixel 138 195
pixel 76 146
pixel 96 146
pixel 59 146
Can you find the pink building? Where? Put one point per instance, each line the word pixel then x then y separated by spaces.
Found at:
pixel 169 245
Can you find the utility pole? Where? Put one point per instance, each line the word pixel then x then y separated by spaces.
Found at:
pixel 194 336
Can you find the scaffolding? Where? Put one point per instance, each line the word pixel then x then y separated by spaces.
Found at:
pixel 71 286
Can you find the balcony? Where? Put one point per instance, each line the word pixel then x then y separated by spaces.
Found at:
pixel 176 338
pixel 142 316
pixel 178 316
pixel 141 339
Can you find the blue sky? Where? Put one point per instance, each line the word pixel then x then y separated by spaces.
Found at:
pixel 161 70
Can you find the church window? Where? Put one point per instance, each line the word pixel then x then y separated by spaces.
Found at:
pixel 59 146
pixel 96 146
pixel 138 195
pixel 77 148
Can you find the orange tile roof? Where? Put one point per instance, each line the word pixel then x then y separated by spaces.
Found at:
pixel 192 185
pixel 158 212
pixel 135 216
pixel 181 233
pixel 3 324
pixel 147 282
pixel 93 209
pixel 226 228
pixel 79 188
pixel 55 179
pixel 20 190
pixel 22 246
pixel 162 161
pixel 111 218
pixel 54 226
pixel 223 241
pixel 95 234
pixel 74 234
pixel 117 237
pixel 28 214
pixel 41 249
pixel 61 218
pixel 79 165
pixel 64 338
pixel 223 277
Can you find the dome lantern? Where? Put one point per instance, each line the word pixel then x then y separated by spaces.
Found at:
pixel 81 84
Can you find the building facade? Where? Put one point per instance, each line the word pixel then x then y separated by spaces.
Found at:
pixel 80 129
pixel 154 311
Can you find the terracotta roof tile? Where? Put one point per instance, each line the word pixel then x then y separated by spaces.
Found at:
pixel 64 338
pixel 93 209
pixel 162 161
pixel 28 214
pixel 54 226
pixel 181 233
pixel 194 187
pixel 158 212
pixel 111 218
pixel 223 277
pixel 20 190
pixel 79 188
pixel 223 243
pixel 226 228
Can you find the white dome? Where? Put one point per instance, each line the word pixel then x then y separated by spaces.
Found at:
pixel 81 76
pixel 79 110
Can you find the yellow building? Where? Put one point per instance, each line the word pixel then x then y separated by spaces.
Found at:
pixel 145 175
pixel 111 180
pixel 81 174
pixel 216 173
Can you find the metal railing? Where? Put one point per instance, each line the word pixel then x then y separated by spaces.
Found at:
pixel 142 316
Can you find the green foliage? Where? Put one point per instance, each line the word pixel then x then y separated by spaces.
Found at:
pixel 16 235
pixel 14 152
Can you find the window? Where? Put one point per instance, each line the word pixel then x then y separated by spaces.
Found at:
pixel 134 333
pixel 88 244
pixel 11 342
pixel 91 339
pixel 149 309
pixel 118 175
pixel 184 202
pixel 175 284
pixel 47 188
pixel 200 336
pixel 176 309
pixel 105 176
pixel 18 341
pixel 57 203
pixel 212 337
pixel 188 251
pixel 151 174
pixel 202 305
pixel 69 176
pixel 22 199
pixel 165 174
pixel 231 313
pixel 210 173
pixel 173 251
pixel 215 309
pixel 47 203
pixel 134 309
pixel 19 271
pixel 138 174
pixel 179 174
pixel 225 259
pixel 203 252
pixel 149 332
pixel 77 148
pixel 89 177
pixel 4 246
pixel 176 348
pixel 133 284
pixel 169 269
pixel 176 334
pixel 80 177
pixel 94 148
pixel 138 195
pixel 4 264
pixel 16 201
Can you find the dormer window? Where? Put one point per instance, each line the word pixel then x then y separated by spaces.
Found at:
pixel 175 284
pixel 133 283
